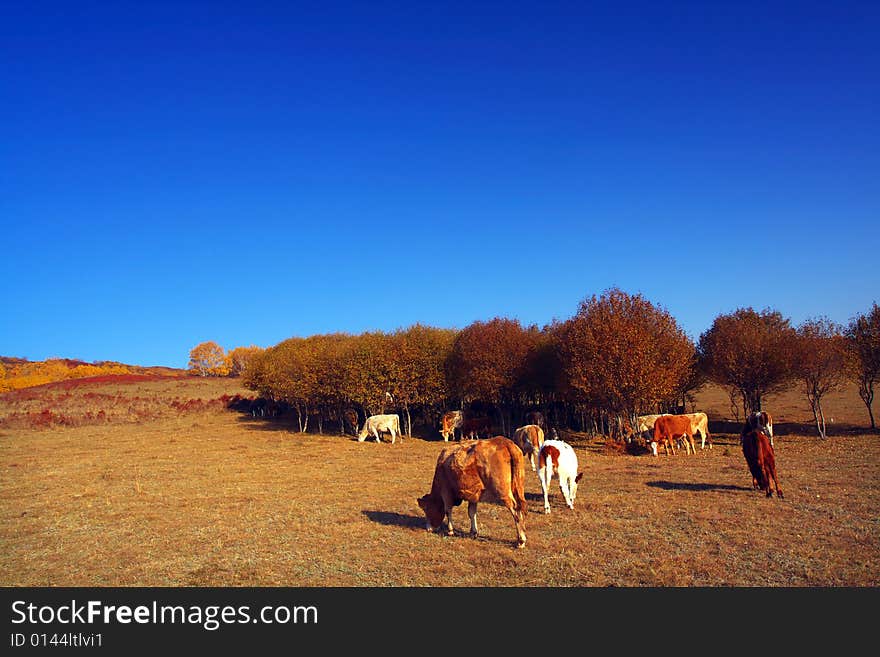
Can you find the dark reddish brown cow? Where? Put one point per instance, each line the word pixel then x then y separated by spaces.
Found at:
pixel 350 421
pixel 668 428
pixel 536 417
pixel 490 470
pixel 761 461
pixel 760 420
pixel 476 427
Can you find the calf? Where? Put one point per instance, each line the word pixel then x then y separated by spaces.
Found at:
pixel 761 461
pixel 559 457
pixel 490 470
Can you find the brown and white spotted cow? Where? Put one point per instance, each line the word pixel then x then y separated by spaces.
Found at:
pixel 529 439
pixel 449 423
pixel 557 456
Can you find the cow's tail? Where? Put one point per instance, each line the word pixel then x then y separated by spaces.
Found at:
pixel 517 482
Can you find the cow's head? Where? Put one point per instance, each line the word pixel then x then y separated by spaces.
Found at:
pixel 433 509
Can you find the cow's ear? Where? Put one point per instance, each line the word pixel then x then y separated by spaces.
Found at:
pixel 578 478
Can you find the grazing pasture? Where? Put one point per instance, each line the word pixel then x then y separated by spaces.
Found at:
pixel 199 495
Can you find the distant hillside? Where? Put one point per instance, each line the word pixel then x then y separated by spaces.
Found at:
pixel 17 373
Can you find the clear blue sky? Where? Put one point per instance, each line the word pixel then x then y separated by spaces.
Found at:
pixel 174 172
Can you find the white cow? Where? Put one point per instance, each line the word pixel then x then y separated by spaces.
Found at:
pixel 377 424
pixel 700 424
pixel 559 457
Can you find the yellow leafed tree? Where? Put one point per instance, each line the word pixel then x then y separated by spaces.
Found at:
pixel 239 358
pixel 208 359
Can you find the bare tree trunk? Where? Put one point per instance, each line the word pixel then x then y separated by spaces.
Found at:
pixel 321 424
pixel 866 392
pixel 818 416
pixel 408 420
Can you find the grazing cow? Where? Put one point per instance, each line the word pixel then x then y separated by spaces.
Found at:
pixel 490 470
pixel 668 428
pixel 474 427
pixel 646 424
pixel 760 420
pixel 559 457
pixel 700 424
pixel 376 424
pixel 350 419
pixel 529 439
pixel 449 423
pixel 761 460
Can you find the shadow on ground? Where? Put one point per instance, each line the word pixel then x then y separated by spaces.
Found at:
pixel 686 485
pixel 396 519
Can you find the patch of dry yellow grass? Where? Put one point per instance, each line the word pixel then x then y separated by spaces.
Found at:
pixel 218 499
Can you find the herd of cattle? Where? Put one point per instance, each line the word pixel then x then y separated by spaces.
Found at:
pixel 492 469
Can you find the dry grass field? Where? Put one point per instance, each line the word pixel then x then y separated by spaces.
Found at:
pixel 163 491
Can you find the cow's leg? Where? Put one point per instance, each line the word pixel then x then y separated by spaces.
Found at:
pixel 542 475
pixel 449 529
pixel 376 435
pixel 776 486
pixel 564 487
pixel 519 521
pixel 472 514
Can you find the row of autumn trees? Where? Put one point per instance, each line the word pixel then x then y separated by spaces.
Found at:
pixel 619 356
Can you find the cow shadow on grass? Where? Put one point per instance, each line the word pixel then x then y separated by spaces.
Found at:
pixel 396 519
pixel 684 485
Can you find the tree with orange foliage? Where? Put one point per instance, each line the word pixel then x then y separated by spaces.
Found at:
pixel 367 372
pixel 208 359
pixel 863 338
pixel 622 353
pixel 486 364
pixel 749 352
pixel 239 358
pixel 819 362
pixel 417 377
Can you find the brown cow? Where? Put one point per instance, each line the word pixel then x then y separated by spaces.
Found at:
pixel 474 427
pixel 668 428
pixel 350 418
pixel 529 439
pixel 449 423
pixel 490 470
pixel 761 461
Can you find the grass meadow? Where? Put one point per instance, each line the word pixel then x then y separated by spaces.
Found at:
pixel 157 483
